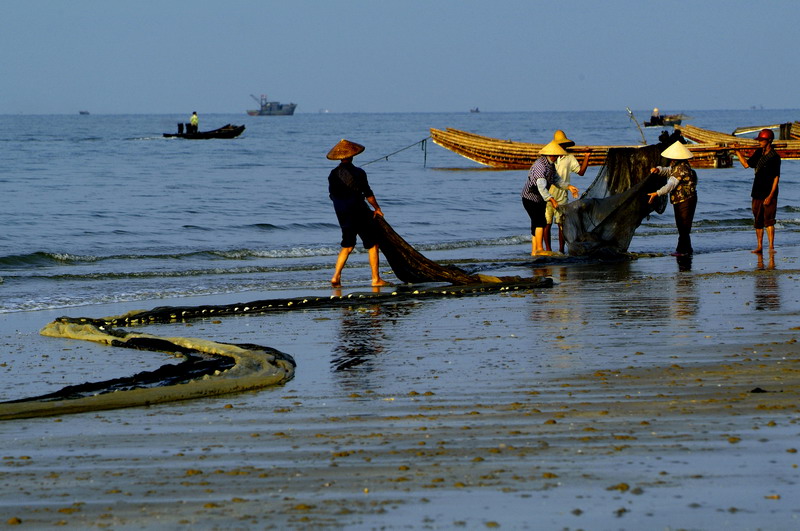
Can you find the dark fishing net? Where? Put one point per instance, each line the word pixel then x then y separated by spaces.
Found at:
pixel 411 266
pixel 603 220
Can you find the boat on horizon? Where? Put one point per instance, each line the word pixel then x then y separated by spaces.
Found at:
pixel 271 108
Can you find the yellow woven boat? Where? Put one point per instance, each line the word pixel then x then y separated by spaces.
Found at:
pixel 510 155
pixel 787 149
pixel 792 130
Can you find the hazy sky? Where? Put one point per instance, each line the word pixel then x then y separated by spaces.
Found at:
pixel 166 56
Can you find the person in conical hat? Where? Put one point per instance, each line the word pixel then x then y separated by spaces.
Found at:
pixel 536 195
pixel 344 149
pixel 351 194
pixel 682 189
pixel 655 118
pixel 565 165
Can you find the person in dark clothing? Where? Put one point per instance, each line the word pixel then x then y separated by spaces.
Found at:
pixel 350 192
pixel 767 164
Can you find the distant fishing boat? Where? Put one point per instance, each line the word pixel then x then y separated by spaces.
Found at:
pixel 83 112
pixel 661 121
pixel 226 131
pixel 475 110
pixel 272 108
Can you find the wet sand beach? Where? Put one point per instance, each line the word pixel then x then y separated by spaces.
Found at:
pixel 649 394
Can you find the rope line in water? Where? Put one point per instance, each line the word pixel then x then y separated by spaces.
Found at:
pixel 424 146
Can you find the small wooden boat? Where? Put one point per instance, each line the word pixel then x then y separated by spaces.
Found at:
pixel 511 155
pixel 787 149
pixel 226 131
pixel 666 120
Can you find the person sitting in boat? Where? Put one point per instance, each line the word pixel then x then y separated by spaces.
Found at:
pixel 194 121
pixel 565 164
pixel 655 118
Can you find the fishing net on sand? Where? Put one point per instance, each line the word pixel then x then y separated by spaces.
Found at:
pixel 210 368
pixel 603 220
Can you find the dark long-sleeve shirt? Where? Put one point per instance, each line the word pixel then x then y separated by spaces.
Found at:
pixel 348 182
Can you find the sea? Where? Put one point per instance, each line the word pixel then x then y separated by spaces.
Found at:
pixel 101 209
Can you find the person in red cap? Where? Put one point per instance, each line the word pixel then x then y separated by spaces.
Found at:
pixel 349 189
pixel 767 168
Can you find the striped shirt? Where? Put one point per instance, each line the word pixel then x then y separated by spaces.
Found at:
pixel 541 176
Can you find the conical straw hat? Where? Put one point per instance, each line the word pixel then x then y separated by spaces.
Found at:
pixel 560 138
pixel 553 149
pixel 677 151
pixel 344 150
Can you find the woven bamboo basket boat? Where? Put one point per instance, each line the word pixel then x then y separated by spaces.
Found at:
pixel 787 149
pixel 510 155
pixel 793 131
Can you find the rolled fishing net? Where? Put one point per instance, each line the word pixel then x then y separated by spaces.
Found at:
pixel 209 368
pixel 602 222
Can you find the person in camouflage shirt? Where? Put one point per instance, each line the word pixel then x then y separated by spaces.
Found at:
pixel 682 189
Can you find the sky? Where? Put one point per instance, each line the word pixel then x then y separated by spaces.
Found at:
pixel 176 56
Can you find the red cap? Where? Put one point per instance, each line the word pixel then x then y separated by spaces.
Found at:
pixel 766 134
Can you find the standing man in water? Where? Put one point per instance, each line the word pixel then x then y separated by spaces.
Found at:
pixel 350 192
pixel 194 121
pixel 767 164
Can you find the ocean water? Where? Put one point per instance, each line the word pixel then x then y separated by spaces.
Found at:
pixel 102 209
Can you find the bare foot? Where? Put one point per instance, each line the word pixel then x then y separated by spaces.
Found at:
pixel 336 284
pixel 380 282
pixel 757 251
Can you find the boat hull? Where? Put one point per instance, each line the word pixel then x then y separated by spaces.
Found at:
pixel 274 108
pixel 510 155
pixel 226 132
pixel 787 149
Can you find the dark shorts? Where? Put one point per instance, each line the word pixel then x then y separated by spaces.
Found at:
pixel 536 211
pixel 355 219
pixel 764 215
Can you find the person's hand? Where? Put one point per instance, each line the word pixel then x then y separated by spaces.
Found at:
pixel 653 170
pixel 554 202
pixel 574 191
pixel 768 200
pixel 651 197
pixel 377 212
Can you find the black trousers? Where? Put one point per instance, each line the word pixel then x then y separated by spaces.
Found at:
pixel 684 215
